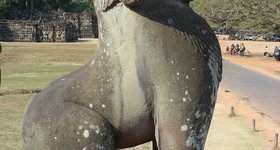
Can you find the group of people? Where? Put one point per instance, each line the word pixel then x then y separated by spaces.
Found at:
pixel 236 49
pixel 275 54
pixel 267 51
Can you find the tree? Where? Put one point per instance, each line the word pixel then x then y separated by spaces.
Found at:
pixel 239 14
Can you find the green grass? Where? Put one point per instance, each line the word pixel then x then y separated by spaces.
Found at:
pixel 32 76
pixel 11 113
pixel 29 66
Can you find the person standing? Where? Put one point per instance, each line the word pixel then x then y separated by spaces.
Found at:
pixel 266 51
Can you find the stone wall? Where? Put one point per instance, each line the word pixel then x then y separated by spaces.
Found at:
pixel 14 30
pixel 86 23
pixel 56 32
pixel 50 27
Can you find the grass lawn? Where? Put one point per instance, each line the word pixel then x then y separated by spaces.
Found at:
pixel 31 66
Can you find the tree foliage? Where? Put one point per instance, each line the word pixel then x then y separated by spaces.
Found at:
pixel 31 6
pixel 261 15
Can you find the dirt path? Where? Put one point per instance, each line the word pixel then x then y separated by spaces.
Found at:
pixel 266 126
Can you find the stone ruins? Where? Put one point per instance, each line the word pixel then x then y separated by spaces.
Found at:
pixel 50 27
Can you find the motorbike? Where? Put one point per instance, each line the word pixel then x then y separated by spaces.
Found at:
pixel 276 54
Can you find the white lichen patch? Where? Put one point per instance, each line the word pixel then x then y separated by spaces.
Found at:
pixel 55 138
pixel 86 133
pixel 80 127
pixel 97 131
pixel 90 105
pixel 184 128
pixel 86 122
pixel 178 73
pixel 91 126
pixel 187 77
pixel 184 99
pixel 84 148
pixel 186 92
pixel 95 127
pixel 103 106
pixel 92 62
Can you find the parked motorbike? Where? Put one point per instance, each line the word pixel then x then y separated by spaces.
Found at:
pixel 276 54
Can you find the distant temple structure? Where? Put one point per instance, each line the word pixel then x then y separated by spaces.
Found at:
pixel 50 27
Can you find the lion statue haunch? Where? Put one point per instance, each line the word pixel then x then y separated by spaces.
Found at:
pixel 154 77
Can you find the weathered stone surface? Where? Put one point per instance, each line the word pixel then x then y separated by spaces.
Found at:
pixel 154 77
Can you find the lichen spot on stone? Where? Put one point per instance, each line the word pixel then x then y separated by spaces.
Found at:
pixel 90 105
pixel 80 127
pixel 178 73
pixel 170 21
pixel 103 106
pixel 172 62
pixel 197 114
pixel 86 134
pixel 55 138
pixel 97 131
pixel 187 77
pixel 84 148
pixel 184 99
pixel 186 92
pixel 86 122
pixel 184 128
pixel 92 126
pixel 171 100
pixel 92 62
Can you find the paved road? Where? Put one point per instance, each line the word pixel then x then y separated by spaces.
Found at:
pixel 262 91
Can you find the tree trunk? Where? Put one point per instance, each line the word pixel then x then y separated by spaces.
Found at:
pixel 31 9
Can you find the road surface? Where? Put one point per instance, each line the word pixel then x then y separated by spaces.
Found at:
pixel 262 91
